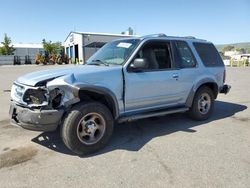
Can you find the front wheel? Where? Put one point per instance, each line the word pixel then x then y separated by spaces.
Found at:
pixel 87 128
pixel 203 104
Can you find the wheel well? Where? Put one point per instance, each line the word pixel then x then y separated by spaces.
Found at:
pixel 103 98
pixel 212 86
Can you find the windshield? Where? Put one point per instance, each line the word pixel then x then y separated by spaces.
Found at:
pixel 114 53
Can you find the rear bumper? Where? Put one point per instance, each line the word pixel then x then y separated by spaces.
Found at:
pixel 36 120
pixel 225 89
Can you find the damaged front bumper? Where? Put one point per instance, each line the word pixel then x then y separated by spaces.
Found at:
pixel 35 119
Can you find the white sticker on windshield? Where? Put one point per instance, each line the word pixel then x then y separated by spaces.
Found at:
pixel 124 45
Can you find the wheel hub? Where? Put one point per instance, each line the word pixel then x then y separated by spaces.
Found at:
pixel 204 103
pixel 90 127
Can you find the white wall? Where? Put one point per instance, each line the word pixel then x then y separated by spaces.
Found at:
pixel 73 39
pixel 231 53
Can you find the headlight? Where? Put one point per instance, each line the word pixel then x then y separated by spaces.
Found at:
pixel 17 90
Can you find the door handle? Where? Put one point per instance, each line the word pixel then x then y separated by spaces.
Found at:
pixel 175 75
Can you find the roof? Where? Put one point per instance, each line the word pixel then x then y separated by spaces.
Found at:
pixel 95 45
pixel 98 34
pixel 159 35
pixel 26 45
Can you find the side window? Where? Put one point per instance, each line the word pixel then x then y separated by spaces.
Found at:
pixel 156 54
pixel 208 54
pixel 187 59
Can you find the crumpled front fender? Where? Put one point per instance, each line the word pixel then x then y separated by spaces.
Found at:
pixel 67 85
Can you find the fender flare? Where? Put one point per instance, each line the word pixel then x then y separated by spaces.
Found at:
pixel 191 94
pixel 110 96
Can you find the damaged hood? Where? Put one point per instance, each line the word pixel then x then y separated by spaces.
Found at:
pixel 83 73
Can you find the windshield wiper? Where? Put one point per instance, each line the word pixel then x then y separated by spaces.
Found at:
pixel 98 62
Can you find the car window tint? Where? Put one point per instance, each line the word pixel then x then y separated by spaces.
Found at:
pixel 208 54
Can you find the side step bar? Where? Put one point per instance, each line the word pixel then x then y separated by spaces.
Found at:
pixel 152 114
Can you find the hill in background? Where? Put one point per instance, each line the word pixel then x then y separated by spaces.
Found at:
pixel 236 45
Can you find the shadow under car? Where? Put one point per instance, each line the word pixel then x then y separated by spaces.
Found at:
pixel 134 135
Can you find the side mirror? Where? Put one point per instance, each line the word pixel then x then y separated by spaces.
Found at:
pixel 138 65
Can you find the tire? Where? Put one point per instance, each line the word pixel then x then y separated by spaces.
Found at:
pixel 203 104
pixel 87 128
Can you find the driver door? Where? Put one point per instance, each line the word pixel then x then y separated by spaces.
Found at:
pixel 157 84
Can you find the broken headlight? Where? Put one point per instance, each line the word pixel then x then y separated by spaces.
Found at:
pixel 35 96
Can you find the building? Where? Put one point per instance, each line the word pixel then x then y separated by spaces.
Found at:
pixel 231 53
pixel 236 55
pixel 79 46
pixel 24 52
pixel 23 49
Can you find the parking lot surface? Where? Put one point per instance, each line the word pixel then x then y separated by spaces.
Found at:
pixel 168 151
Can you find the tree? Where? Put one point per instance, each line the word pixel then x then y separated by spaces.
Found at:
pixel 241 50
pixel 227 48
pixel 52 47
pixel 7 48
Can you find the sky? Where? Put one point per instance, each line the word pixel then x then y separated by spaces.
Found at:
pixel 219 21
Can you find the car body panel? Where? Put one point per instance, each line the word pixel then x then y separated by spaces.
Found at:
pixel 152 90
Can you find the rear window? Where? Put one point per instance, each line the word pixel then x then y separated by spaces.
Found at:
pixel 208 54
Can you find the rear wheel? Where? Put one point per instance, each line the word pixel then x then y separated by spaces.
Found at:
pixel 87 128
pixel 203 104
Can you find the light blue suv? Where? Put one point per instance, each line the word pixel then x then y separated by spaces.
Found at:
pixel 125 80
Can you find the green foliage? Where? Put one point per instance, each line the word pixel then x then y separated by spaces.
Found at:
pixel 52 47
pixel 236 45
pixel 248 50
pixel 7 48
pixel 227 48
pixel 241 50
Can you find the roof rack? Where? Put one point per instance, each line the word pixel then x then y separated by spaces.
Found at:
pixel 189 37
pixel 155 35
pixel 164 35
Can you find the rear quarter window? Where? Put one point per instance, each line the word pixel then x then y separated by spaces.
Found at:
pixel 186 56
pixel 208 54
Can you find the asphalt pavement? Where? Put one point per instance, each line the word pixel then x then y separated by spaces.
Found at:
pixel 168 151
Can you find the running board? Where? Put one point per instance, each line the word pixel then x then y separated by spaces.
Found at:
pixel 151 114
